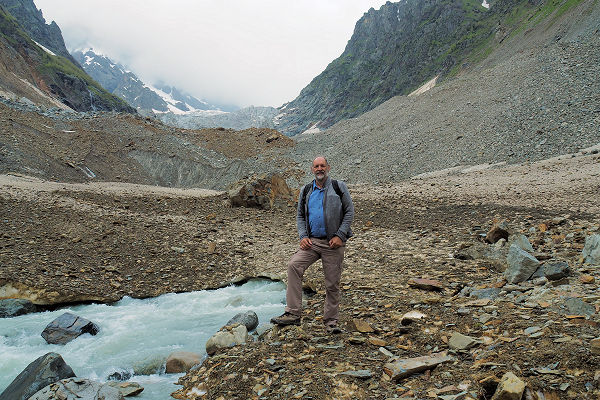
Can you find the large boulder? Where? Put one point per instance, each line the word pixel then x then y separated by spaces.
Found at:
pixel 228 336
pixel 521 241
pixel 553 270
pixel 45 370
pixel 77 389
pixel 591 250
pixel 150 365
pixel 68 327
pixel 249 319
pixel 15 307
pixel 264 192
pixel 182 361
pixel 481 251
pixel 521 265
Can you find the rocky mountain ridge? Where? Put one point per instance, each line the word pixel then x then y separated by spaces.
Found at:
pixel 534 97
pixel 35 73
pixel 399 47
pixel 147 99
pixel 167 103
pixel 33 23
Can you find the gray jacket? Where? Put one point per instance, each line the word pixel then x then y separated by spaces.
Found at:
pixel 337 213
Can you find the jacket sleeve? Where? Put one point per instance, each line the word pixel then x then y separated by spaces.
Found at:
pixel 344 231
pixel 301 217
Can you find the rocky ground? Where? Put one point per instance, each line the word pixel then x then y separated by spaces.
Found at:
pixel 80 242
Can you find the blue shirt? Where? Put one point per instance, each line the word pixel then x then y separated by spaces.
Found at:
pixel 315 212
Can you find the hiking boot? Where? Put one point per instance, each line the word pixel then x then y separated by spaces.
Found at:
pixel 286 319
pixel 334 329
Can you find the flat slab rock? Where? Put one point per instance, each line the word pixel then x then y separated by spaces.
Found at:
pixel 127 389
pixel 76 389
pixel 409 366
pixel 360 374
pixel 426 284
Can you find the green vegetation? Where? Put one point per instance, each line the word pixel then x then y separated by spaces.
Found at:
pixel 11 31
pixel 51 66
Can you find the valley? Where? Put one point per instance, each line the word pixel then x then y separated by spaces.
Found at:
pixel 102 203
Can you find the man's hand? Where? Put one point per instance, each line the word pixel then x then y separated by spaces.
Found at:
pixel 305 243
pixel 335 242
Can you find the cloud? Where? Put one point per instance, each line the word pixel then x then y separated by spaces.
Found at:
pixel 242 52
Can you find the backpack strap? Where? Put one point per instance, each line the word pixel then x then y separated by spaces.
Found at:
pixel 335 185
pixel 304 193
pixel 337 189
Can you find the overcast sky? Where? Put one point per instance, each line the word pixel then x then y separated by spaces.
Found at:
pixel 241 52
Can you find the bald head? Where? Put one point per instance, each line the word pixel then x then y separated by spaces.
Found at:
pixel 320 160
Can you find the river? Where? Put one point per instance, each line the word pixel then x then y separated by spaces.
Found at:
pixel 136 332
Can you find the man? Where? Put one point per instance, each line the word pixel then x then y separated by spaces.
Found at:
pixel 325 212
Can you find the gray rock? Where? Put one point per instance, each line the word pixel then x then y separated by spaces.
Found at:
pixel 227 337
pixel 489 293
pixel 541 281
pixel 409 366
pixel 458 341
pixel 521 265
pixel 521 241
pixel 360 374
pixel 576 306
pixel 68 327
pixel 263 329
pixel 149 365
pixel 463 311
pixel 531 330
pixel 127 388
pixel 77 389
pixel 120 375
pixel 45 370
pixel 591 250
pixel 249 319
pixel 481 251
pixel 15 307
pixel 553 270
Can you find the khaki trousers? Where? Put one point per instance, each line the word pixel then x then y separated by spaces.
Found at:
pixel 332 269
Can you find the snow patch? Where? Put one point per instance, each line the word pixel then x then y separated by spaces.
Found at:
pixel 312 129
pixel 45 49
pixel 171 102
pixel 425 87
